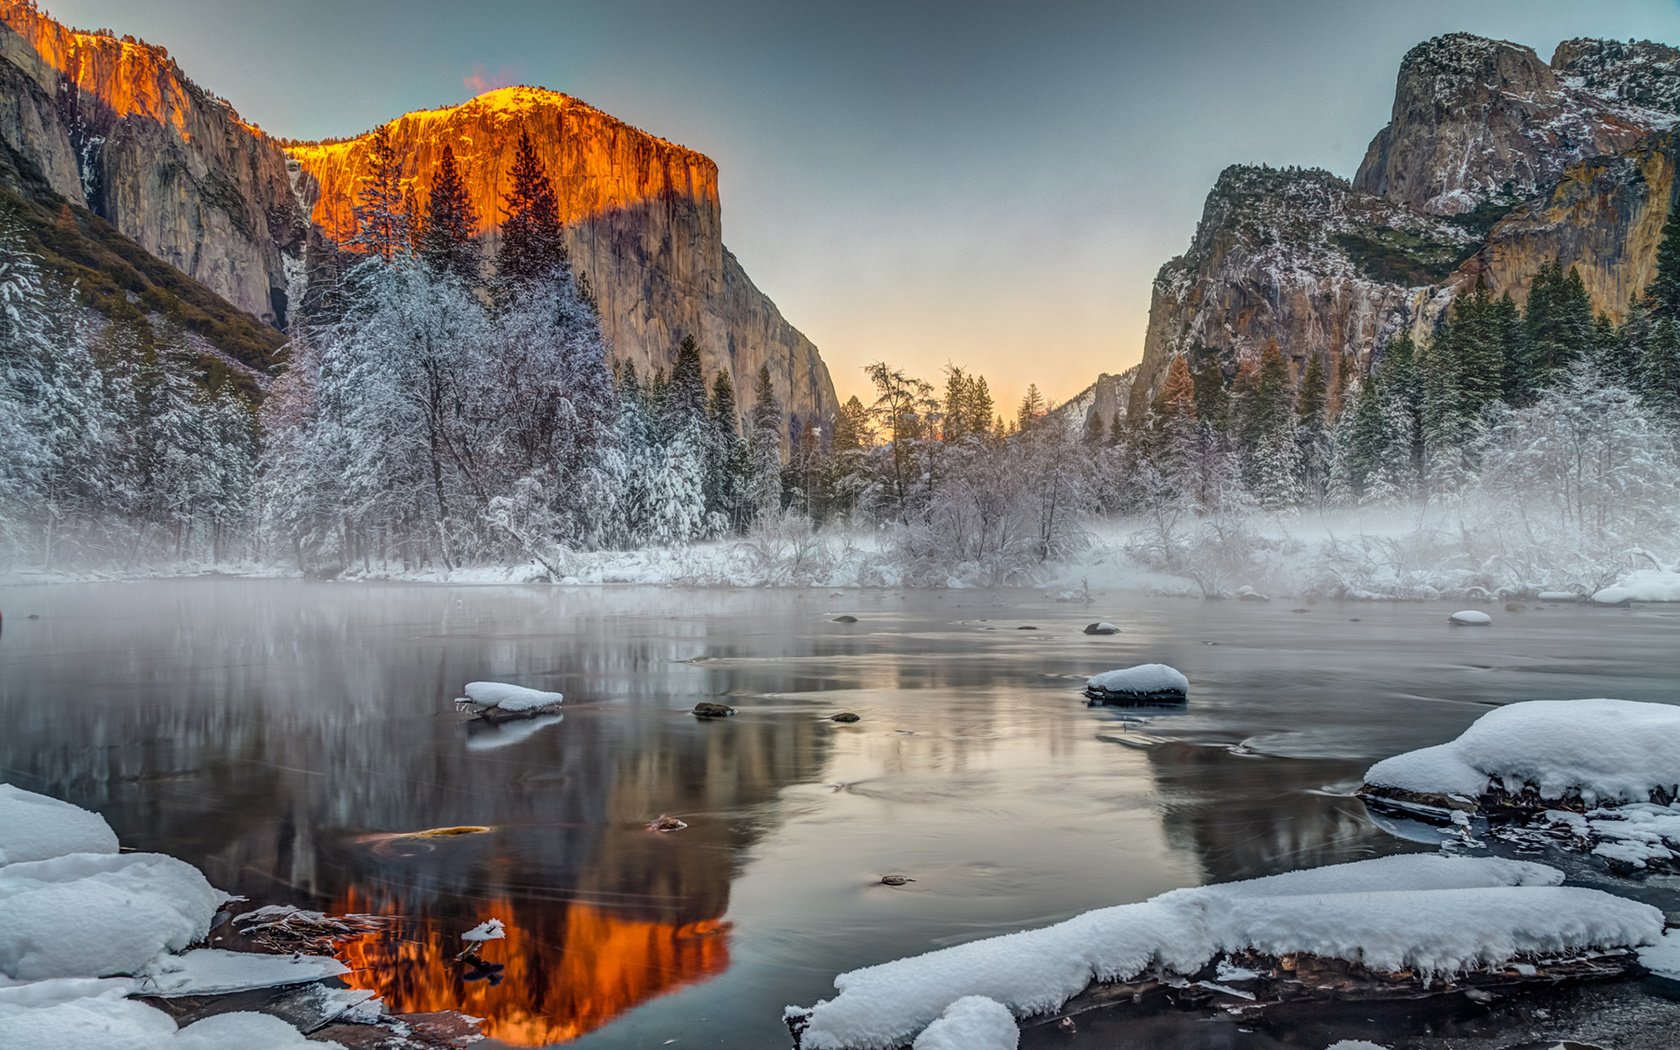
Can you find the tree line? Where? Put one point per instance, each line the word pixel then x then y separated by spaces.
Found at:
pixel 440 408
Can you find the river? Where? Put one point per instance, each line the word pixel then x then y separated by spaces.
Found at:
pixel 291 737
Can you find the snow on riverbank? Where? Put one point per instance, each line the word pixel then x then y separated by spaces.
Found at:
pixel 1395 554
pixel 1600 750
pixel 82 927
pixel 1454 915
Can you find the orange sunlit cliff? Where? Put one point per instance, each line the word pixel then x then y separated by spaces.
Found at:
pixel 569 969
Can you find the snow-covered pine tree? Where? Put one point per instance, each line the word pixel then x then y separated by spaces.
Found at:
pixel 762 487
pixel 1266 434
pixel 725 454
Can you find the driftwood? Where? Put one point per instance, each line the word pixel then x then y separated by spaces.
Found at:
pixel 1521 816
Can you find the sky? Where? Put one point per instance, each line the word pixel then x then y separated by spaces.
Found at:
pixel 986 183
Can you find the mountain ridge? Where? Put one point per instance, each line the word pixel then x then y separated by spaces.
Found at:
pixel 116 126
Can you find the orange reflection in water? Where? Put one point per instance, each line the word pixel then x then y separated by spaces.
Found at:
pixel 569 970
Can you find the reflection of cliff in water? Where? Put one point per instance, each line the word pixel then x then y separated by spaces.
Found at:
pixel 1245 816
pixel 285 746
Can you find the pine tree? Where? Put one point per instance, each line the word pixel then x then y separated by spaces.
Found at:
pixel 726 460
pixel 687 395
pixel 1094 430
pixel 1660 375
pixel 533 243
pixel 383 226
pixel 1557 330
pixel 1664 290
pixel 1032 407
pixel 447 241
pixel 1266 432
pixel 1312 428
pixel 762 489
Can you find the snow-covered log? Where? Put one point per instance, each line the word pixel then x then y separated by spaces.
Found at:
pixel 1457 919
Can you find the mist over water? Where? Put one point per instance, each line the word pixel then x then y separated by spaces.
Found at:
pixel 291 738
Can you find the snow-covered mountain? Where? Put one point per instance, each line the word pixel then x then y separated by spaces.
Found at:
pixel 1493 163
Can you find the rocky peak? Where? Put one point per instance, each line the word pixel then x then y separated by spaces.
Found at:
pixel 1639 73
pixel 643 221
pixel 1478 121
pixel 113 123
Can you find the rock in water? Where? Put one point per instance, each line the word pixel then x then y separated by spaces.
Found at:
pixel 1469 618
pixel 707 709
pixel 845 618
pixel 1102 627
pixel 665 824
pixel 895 880
pixel 1143 683
pixel 844 716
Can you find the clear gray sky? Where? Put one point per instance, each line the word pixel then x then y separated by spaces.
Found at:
pixel 982 182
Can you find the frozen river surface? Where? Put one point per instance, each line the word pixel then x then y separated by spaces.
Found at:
pixel 290 738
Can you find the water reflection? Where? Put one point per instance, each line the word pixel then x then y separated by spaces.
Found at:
pixel 561 971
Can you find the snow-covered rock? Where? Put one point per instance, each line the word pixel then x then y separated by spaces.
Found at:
pixel 514 699
pixel 971 1023
pixel 1143 682
pixel 1469 618
pixel 1455 914
pixel 1101 627
pixel 94 915
pixel 1642 585
pixel 36 827
pixel 1600 750
pixel 489 930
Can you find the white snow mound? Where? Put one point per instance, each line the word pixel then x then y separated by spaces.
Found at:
pixel 1470 618
pixel 36 827
pixel 971 1023
pixel 96 915
pixel 1663 958
pixel 506 697
pixel 1642 585
pixel 1454 913
pixel 212 971
pixel 489 930
pixel 1142 680
pixel 1607 750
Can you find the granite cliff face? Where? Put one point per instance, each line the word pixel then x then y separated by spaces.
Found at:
pixel 643 221
pixel 1296 256
pixel 1477 120
pixel 1494 163
pixel 113 124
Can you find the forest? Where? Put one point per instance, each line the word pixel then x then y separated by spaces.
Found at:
pixel 439 409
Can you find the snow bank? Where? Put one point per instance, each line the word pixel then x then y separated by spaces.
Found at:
pixel 73 910
pixel 1642 585
pixel 971 1023
pixel 212 971
pixel 1144 680
pixel 35 827
pixel 1455 914
pixel 510 698
pixel 1604 750
pixel 89 914
pixel 1663 958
